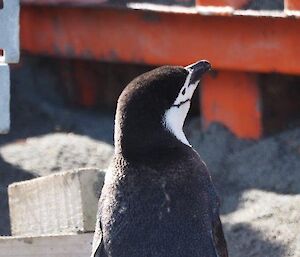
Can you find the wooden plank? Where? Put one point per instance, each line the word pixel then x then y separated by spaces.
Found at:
pixel 47 246
pixel 56 204
pixel 238 43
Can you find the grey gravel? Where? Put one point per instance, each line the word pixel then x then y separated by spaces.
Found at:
pixel 272 164
pixel 258 183
pixel 266 224
pixel 57 152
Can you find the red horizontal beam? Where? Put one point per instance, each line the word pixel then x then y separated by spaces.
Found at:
pixel 92 3
pixel 246 43
pixel 65 2
pixel 233 3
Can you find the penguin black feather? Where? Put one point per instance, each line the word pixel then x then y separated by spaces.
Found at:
pixel 140 111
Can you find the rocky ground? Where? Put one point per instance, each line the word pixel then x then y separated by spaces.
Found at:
pixel 258 181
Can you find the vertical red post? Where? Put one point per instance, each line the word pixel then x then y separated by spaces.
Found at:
pixel 236 4
pixel 80 82
pixel 85 79
pixel 292 5
pixel 234 99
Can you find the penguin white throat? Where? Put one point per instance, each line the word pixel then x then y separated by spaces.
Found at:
pixel 174 117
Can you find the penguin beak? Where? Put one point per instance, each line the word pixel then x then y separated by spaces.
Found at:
pixel 198 69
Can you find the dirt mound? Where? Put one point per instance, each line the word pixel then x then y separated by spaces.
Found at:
pixel 57 152
pixel 258 182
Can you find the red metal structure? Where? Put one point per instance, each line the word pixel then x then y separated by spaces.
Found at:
pixel 292 5
pixel 237 43
pixel 232 3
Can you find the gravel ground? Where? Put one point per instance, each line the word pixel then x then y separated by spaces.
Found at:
pixel 258 181
pixel 57 152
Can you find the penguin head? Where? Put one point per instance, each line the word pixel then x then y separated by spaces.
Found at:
pixel 152 109
pixel 175 115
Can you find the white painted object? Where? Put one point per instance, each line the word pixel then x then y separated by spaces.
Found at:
pixel 60 203
pixel 4 98
pixel 9 31
pixel 9 45
pixel 47 246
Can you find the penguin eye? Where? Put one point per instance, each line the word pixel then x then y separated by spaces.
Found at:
pixel 183 91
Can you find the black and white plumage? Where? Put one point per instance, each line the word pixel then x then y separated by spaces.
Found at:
pixel 158 199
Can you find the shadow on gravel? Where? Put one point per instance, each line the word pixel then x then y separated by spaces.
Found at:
pixel 271 164
pixel 15 174
pixel 38 107
pixel 245 241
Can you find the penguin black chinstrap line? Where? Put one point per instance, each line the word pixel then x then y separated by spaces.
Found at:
pixel 158 199
pixel 181 103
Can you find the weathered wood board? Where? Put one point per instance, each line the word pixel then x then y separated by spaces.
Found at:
pixel 57 204
pixel 47 246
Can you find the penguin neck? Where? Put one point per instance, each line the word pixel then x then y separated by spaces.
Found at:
pixel 138 139
pixel 174 120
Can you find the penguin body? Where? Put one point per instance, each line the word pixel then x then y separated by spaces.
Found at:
pixel 158 199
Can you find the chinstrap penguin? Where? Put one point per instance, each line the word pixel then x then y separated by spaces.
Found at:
pixel 158 199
